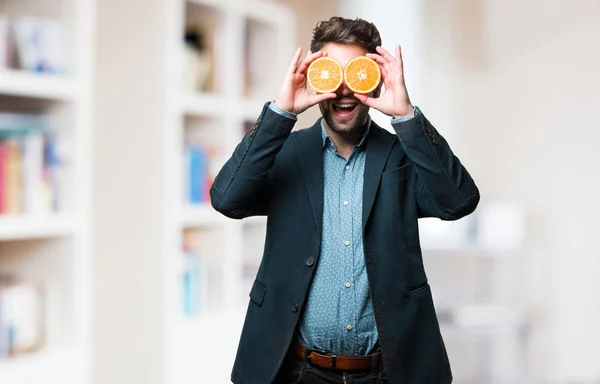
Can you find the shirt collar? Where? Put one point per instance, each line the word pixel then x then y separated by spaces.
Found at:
pixel 327 142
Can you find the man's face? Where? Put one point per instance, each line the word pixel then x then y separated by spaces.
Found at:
pixel 345 113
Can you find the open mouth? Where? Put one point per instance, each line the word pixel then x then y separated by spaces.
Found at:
pixel 344 107
pixel 344 110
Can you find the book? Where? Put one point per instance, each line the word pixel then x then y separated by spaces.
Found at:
pixel 3 187
pixel 52 163
pixel 30 165
pixel 33 174
pixel 193 274
pixel 196 178
pixel 12 175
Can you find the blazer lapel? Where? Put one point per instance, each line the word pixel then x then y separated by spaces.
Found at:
pixel 310 156
pixel 379 146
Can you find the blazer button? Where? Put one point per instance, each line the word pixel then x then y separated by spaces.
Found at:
pixel 310 261
pixel 295 308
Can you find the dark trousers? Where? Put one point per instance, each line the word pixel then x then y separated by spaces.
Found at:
pixel 297 370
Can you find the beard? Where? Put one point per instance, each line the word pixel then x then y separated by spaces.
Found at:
pixel 344 124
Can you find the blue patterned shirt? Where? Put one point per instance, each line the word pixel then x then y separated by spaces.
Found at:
pixel 338 314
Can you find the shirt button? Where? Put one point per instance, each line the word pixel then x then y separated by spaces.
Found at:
pixel 348 284
pixel 347 167
pixel 349 327
pixel 346 243
pixel 310 261
pixel 345 202
pixel 295 308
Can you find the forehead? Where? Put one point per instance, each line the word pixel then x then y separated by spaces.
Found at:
pixel 343 53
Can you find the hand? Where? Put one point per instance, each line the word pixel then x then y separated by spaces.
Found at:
pixel 394 101
pixel 293 96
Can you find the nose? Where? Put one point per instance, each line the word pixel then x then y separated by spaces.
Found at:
pixel 343 90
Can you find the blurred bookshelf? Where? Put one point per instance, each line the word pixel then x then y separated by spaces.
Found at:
pixel 227 60
pixel 45 129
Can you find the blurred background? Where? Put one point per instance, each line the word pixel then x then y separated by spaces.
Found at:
pixel 115 116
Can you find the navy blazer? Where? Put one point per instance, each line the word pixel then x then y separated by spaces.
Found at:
pixel 409 175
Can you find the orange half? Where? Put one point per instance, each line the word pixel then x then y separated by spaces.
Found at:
pixel 362 75
pixel 324 75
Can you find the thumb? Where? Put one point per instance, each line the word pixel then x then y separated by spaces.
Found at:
pixel 316 99
pixel 366 100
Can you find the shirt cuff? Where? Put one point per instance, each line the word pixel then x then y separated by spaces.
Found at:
pixel 275 108
pixel 406 118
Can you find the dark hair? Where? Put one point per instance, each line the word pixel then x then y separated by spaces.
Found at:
pixel 346 31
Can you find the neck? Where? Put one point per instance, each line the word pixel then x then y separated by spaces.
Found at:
pixel 345 141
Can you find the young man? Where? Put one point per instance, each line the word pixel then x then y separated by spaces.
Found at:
pixel 341 295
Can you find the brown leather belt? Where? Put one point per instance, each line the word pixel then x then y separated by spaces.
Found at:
pixel 340 362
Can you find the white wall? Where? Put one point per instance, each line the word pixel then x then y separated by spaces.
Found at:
pixel 128 189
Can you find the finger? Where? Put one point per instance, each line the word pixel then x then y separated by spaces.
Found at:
pixel 381 62
pixel 316 99
pixel 377 58
pixel 384 72
pixel 386 55
pixel 399 56
pixel 367 100
pixel 310 57
pixel 294 63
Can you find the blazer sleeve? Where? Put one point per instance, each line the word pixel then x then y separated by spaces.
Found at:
pixel 241 187
pixel 444 188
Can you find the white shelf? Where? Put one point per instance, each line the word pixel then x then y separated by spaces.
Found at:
pixel 201 215
pixel 262 11
pixel 18 227
pixel 36 85
pixel 218 4
pixel 451 248
pixel 452 332
pixel 468 251
pixel 212 339
pixel 203 326
pixel 481 321
pixel 250 109
pixel 213 105
pixel 60 366
pixel 204 104
pixel 255 220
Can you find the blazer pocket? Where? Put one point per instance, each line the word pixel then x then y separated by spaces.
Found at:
pixel 395 174
pixel 418 288
pixel 257 293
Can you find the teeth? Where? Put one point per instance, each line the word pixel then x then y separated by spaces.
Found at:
pixel 345 105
